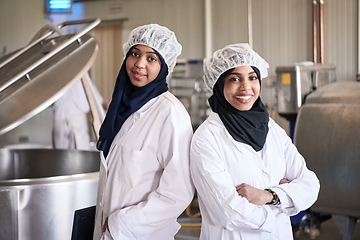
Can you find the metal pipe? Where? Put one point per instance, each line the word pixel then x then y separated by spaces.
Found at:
pixel 321 26
pixel 314 31
pixel 358 74
pixel 208 29
pixel 250 23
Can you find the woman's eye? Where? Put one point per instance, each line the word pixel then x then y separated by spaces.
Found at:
pixel 134 54
pixel 152 59
pixel 233 79
pixel 253 77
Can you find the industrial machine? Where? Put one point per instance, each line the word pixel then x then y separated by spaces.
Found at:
pixel 295 82
pixel 327 134
pixel 40 189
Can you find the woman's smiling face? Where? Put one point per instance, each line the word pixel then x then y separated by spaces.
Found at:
pixel 143 65
pixel 242 88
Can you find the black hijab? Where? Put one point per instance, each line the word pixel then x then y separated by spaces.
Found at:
pixel 127 99
pixel 250 127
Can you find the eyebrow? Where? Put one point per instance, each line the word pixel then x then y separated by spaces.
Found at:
pixel 237 73
pixel 146 52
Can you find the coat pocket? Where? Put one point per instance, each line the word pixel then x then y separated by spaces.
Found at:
pixel 133 167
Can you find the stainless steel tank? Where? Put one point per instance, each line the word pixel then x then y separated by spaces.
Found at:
pixel 41 188
pixel 327 134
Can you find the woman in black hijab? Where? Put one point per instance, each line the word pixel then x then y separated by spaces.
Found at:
pixel 249 176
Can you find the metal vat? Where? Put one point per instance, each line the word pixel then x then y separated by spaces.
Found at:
pixel 327 134
pixel 41 188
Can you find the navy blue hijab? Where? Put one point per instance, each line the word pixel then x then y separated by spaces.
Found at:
pixel 127 99
pixel 250 127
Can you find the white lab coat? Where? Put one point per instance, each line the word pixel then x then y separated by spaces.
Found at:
pixel 145 181
pixel 70 123
pixel 219 163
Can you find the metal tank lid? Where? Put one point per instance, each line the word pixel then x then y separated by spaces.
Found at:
pixel 34 77
pixel 345 91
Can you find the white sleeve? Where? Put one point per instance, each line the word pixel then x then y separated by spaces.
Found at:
pixel 304 187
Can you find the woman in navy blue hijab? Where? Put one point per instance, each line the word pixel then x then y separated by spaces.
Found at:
pixel 128 97
pixel 144 182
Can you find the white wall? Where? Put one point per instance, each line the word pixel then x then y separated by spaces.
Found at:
pixel 19 21
pixel 184 17
pixel 282 29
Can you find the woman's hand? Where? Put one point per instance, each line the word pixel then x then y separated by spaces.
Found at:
pixel 254 195
pixel 284 180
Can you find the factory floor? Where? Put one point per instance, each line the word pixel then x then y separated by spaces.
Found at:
pixel 328 231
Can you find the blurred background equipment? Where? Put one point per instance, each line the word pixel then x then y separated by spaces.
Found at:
pixel 296 82
pixel 187 84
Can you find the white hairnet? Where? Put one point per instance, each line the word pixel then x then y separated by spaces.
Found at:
pixel 232 56
pixel 159 38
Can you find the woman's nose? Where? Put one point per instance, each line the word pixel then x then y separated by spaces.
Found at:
pixel 244 85
pixel 140 63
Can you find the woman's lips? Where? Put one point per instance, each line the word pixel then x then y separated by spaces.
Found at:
pixel 244 98
pixel 138 75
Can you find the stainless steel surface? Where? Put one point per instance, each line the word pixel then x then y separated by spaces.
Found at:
pixel 37 77
pixel 327 134
pixel 342 92
pixel 295 82
pixel 41 188
pixel 38 40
